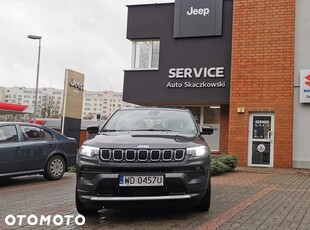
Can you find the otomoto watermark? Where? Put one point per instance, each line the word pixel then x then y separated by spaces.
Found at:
pixel 42 220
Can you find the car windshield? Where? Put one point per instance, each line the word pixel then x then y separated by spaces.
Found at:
pixel 151 120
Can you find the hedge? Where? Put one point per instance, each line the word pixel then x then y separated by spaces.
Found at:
pixel 223 163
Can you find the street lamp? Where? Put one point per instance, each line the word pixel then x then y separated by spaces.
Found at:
pixel 37 82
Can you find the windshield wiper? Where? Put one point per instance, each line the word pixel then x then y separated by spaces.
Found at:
pixel 167 130
pixel 109 130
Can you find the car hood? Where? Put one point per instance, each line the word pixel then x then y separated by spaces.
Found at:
pixel 149 139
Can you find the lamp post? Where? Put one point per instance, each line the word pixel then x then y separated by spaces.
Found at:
pixel 37 81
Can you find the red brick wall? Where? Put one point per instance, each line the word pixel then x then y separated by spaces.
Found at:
pixel 82 137
pixel 262 73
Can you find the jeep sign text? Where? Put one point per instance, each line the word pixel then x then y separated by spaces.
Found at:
pixel 201 11
pixel 74 83
pixel 197 18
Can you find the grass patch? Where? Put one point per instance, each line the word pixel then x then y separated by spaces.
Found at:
pixel 71 169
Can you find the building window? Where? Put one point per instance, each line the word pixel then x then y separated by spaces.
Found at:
pixel 146 54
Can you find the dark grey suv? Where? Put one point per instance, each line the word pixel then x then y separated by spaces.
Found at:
pixel 144 156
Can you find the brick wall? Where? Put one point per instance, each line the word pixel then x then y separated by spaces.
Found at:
pixel 83 134
pixel 262 73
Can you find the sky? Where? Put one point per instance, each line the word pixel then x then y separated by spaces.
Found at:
pixel 86 36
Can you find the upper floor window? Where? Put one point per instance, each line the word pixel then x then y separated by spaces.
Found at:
pixel 146 54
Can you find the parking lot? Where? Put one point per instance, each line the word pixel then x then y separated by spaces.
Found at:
pixel 244 199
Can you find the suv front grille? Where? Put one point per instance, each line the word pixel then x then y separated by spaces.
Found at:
pixel 142 155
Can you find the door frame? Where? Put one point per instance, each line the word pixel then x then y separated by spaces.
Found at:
pixel 271 139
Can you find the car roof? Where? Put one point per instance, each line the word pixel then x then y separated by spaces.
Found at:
pixel 17 123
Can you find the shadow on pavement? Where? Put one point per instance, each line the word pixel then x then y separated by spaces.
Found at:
pixel 142 214
pixel 25 180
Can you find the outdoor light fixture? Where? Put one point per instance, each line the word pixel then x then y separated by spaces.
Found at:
pixel 37 81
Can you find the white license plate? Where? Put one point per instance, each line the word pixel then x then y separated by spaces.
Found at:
pixel 135 181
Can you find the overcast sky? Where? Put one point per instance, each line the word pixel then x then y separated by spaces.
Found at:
pixel 82 35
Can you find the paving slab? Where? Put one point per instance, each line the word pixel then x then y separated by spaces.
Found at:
pixel 248 198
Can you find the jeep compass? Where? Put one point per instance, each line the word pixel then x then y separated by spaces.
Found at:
pixel 144 156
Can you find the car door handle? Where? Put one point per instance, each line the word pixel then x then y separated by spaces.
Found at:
pixel 50 146
pixel 18 149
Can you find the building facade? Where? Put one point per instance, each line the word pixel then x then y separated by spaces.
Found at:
pixel 96 104
pixel 301 122
pixel 236 65
pixel 103 103
pixel 2 90
pixel 49 99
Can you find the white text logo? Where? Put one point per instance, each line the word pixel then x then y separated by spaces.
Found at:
pixel 200 11
pixel 32 220
pixel 74 83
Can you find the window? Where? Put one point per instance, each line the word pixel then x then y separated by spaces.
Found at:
pixel 47 135
pixel 8 134
pixel 146 54
pixel 211 115
pixel 30 133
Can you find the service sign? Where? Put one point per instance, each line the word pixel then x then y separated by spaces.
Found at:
pixel 198 18
pixel 203 77
pixel 305 86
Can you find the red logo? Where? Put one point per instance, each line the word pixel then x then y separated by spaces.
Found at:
pixel 308 78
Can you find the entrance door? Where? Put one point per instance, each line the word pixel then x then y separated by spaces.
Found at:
pixel 261 130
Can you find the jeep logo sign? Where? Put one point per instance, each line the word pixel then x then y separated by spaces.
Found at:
pixel 197 18
pixel 201 11
pixel 74 83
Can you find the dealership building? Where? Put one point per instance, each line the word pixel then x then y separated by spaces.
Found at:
pixel 240 66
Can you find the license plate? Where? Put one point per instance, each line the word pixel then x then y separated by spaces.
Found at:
pixel 135 181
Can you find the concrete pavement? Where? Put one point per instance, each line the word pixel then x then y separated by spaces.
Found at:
pixel 249 198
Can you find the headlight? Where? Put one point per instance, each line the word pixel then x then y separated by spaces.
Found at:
pixel 89 151
pixel 197 151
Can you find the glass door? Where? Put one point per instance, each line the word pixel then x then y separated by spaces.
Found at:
pixel 261 135
pixel 208 115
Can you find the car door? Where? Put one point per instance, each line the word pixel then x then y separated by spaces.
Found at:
pixel 10 149
pixel 33 148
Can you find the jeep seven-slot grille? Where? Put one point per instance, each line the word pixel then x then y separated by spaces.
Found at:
pixel 142 155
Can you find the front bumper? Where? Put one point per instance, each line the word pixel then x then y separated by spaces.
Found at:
pixel 183 181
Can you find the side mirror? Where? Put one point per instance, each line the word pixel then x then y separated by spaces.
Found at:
pixel 207 130
pixel 93 129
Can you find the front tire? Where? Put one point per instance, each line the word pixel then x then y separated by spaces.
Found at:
pixel 205 202
pixel 55 168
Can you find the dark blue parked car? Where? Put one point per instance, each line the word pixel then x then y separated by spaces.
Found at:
pixel 32 149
